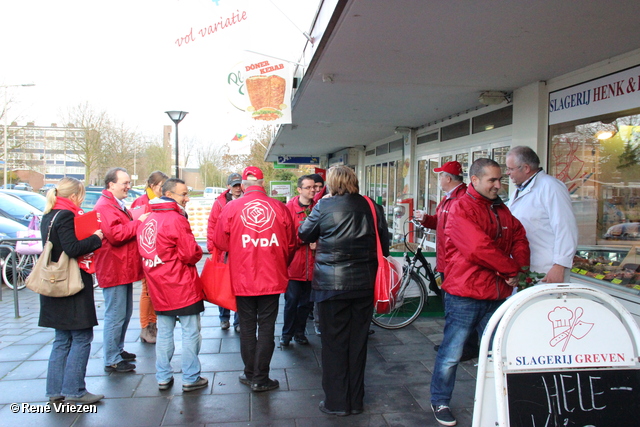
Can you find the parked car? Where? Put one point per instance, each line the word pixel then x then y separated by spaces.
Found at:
pixel 45 188
pixel 8 186
pixel 17 210
pixel 90 200
pixel 34 199
pixel 8 230
pixel 25 186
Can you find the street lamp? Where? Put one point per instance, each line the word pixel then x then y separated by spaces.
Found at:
pixel 6 143
pixel 176 117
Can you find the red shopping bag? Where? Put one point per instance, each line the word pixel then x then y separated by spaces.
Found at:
pixel 216 284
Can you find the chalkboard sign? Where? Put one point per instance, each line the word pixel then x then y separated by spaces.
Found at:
pixel 598 398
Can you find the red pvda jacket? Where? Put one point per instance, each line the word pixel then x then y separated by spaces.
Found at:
pixel 484 244
pixel 169 254
pixel 118 262
pixel 257 232
pixel 439 220
pixel 218 204
pixel 301 268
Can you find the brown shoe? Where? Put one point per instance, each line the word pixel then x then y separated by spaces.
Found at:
pixel 147 335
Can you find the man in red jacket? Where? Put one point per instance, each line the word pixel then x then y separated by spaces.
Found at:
pixel 169 254
pixel 296 305
pixel 485 248
pixel 117 267
pixel 451 182
pixel 257 232
pixel 234 190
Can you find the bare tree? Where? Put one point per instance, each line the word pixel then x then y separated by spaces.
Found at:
pixel 213 169
pixel 89 149
pixel 120 147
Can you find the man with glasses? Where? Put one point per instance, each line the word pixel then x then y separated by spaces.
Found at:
pixel 118 265
pixel 170 253
pixel 296 305
pixel 543 205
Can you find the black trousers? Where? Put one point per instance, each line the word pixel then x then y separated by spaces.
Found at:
pixel 296 308
pixel 345 332
pixel 257 324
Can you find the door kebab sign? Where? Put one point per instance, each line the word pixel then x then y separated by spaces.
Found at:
pixel 260 88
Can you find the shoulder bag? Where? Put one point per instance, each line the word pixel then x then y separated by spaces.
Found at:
pixel 55 279
pixel 388 275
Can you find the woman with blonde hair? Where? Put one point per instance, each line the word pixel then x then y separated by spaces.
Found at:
pixel 72 317
pixel 343 278
pixel 148 318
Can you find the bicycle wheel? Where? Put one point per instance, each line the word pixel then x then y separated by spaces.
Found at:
pixel 410 304
pixel 24 265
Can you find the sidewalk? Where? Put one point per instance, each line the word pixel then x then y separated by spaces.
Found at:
pixel 397 379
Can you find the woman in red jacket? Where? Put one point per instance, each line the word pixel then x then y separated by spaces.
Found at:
pixel 148 319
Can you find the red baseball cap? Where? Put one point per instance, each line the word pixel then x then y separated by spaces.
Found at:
pixel 454 168
pixel 252 171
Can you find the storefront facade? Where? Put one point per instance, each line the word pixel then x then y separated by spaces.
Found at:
pixel 585 126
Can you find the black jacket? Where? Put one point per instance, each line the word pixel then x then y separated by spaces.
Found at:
pixel 346 255
pixel 76 311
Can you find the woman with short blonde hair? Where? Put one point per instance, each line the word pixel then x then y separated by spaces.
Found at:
pixel 343 277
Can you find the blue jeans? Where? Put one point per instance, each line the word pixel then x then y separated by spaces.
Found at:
pixel 68 363
pixel 191 342
pixel 296 308
pixel 118 306
pixel 225 314
pixel 462 317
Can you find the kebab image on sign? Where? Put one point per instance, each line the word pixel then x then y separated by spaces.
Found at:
pixel 266 94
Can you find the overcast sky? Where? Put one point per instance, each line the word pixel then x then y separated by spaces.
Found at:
pixel 129 58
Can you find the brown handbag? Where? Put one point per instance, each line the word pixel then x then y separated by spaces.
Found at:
pixel 55 279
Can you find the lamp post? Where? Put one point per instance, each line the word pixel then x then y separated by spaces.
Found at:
pixel 6 143
pixel 176 117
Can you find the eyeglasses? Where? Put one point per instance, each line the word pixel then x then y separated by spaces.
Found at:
pixel 307 188
pixel 124 184
pixel 513 169
pixel 178 194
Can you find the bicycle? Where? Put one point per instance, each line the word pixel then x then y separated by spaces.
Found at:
pixel 413 293
pixel 24 265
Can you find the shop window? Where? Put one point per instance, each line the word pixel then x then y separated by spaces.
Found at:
pixel 463 159
pixel 395 145
pixel 427 138
pixel 500 156
pixel 599 160
pixel 455 130
pixel 493 120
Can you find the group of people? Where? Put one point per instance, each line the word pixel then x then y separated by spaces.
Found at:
pixel 271 249
pixel 483 246
pixel 318 249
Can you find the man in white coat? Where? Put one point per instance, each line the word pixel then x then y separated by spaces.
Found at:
pixel 543 205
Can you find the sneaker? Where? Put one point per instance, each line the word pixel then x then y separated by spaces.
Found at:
pixel 58 398
pixel 121 366
pixel 237 328
pixel 244 380
pixel 285 340
pixel 301 339
pixel 85 399
pixel 127 356
pixel 443 415
pixel 165 385
pixel 197 385
pixel 224 325
pixel 269 385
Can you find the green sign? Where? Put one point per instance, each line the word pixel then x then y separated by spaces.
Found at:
pixel 276 165
pixel 281 189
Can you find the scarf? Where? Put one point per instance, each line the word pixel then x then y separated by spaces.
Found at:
pixel 85 262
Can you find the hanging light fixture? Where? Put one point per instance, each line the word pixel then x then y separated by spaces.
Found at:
pixel 605 131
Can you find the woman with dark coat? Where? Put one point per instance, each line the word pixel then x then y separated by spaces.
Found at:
pixel 72 317
pixel 343 279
